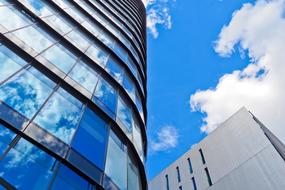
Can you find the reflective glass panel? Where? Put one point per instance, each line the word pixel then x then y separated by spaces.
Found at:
pixel 27 167
pixel 26 91
pixel 91 27
pixel 137 138
pixel 97 54
pixel 39 7
pixel 115 70
pixel 124 114
pixel 60 115
pixel 58 23
pixel 129 87
pixel 107 40
pixel 121 52
pixel 116 162
pixel 91 138
pixel 12 19
pixel 6 137
pixel 78 39
pixel 106 94
pixel 85 76
pixel 133 175
pixel 61 57
pixel 66 179
pixel 9 62
pixel 34 37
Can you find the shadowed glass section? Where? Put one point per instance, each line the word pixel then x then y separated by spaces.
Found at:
pixel 91 138
pixel 27 167
pixel 133 174
pixel 60 115
pixel 26 91
pixel 66 179
pixel 85 76
pixel 61 57
pixel 137 138
pixel 106 94
pixel 129 87
pixel 116 162
pixel 9 62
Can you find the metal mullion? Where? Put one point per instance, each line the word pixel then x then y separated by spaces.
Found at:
pixel 11 31
pixel 14 74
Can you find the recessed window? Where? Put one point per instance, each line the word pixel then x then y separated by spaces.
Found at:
pixel 194 183
pixel 202 156
pixel 190 165
pixel 167 182
pixel 208 177
pixel 178 174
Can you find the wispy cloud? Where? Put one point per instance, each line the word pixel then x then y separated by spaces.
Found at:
pixel 158 14
pixel 258 31
pixel 165 140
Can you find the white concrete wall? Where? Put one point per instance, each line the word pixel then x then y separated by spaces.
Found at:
pixel 238 156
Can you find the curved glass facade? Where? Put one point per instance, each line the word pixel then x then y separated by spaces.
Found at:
pixel 72 94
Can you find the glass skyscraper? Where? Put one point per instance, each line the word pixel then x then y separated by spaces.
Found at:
pixel 72 94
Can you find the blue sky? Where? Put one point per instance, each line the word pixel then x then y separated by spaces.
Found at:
pixel 181 60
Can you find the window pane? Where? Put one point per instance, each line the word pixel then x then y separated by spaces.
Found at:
pixel 8 14
pixel 133 175
pixel 66 179
pixel 9 63
pixel 58 23
pixel 85 76
pixel 129 87
pixel 26 91
pixel 97 54
pixel 78 39
pixel 115 70
pixel 39 7
pixel 107 40
pixel 138 140
pixel 92 131
pixel 116 162
pixel 61 57
pixel 60 115
pixel 124 115
pixel 27 167
pixel 106 94
pixel 6 137
pixel 121 52
pixel 34 37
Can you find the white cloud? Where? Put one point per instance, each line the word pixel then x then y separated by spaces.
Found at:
pixel 167 139
pixel 258 30
pixel 158 14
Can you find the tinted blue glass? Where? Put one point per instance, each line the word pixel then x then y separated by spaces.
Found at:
pixel 85 76
pixel 129 87
pixel 106 94
pixel 115 70
pixel 121 52
pixel 97 54
pixel 124 114
pixel 26 91
pixel 6 137
pixel 9 62
pixel 27 167
pixel 66 179
pixel 60 115
pixel 39 7
pixel 91 138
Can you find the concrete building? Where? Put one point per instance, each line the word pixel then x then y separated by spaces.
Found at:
pixel 72 94
pixel 242 154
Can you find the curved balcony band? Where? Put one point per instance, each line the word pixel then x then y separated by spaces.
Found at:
pixel 73 95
